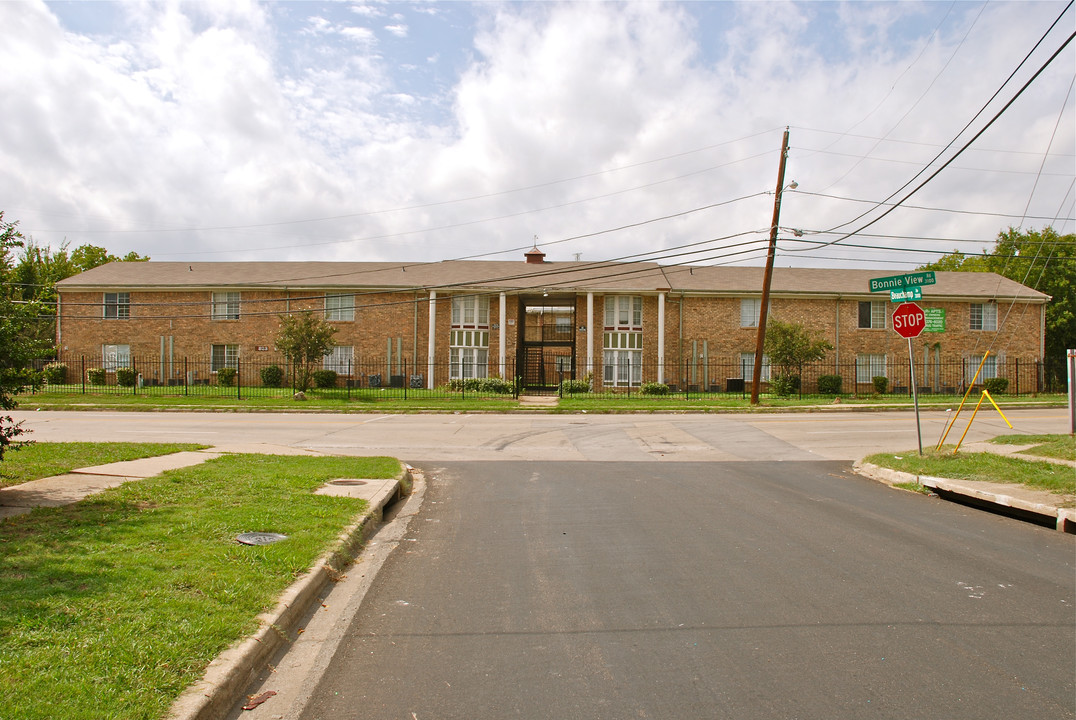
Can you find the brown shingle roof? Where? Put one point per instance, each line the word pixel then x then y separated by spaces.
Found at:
pixel 518 276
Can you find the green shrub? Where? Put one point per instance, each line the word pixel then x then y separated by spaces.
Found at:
pixel 573 387
pixel 272 376
pixel 829 384
pixel 226 376
pixel 324 378
pixel 881 384
pixel 55 373
pixel 127 377
pixel 96 376
pixel 785 385
pixel 996 386
pixel 654 388
pixel 492 385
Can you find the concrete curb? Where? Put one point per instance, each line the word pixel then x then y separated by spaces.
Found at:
pixel 232 671
pixel 1063 519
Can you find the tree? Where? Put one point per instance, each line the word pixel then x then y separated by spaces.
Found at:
pixel 1045 261
pixel 304 339
pixel 18 346
pixel 788 346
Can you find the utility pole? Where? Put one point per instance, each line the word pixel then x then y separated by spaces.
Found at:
pixel 762 311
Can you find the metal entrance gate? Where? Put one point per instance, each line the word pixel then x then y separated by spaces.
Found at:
pixel 547 348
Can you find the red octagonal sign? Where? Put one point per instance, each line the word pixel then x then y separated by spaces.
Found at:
pixel 909 320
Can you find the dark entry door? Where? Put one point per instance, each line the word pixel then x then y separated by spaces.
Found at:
pixel 547 351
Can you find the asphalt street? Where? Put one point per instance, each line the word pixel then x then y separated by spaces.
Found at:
pixel 641 438
pixel 735 590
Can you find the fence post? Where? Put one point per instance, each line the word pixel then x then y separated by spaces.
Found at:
pixel 407 378
pixel 185 376
pixel 1017 377
pixel 801 381
pixel 238 379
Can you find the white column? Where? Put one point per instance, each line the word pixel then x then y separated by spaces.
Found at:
pixel 590 333
pixel 432 342
pixel 661 337
pixel 504 329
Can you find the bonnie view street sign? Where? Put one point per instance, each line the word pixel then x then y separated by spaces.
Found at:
pixel 899 282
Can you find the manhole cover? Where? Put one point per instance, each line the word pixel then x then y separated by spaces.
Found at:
pixel 347 482
pixel 260 538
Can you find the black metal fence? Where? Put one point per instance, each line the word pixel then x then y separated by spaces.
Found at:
pixel 268 376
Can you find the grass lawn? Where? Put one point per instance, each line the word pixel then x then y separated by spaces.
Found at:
pixel 1062 447
pixel 38 460
pixel 111 607
pixel 986 467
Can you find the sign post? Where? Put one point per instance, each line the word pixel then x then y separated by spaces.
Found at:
pixel 909 321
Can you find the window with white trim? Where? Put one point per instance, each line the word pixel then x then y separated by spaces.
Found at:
pixel 470 311
pixel 984 316
pixel 872 315
pixel 622 359
pixel 340 307
pixel 118 305
pixel 750 309
pixel 468 354
pixel 223 356
pixel 869 366
pixel 225 306
pixel 747 366
pixel 623 312
pixel 115 356
pixel 340 360
pixel 991 365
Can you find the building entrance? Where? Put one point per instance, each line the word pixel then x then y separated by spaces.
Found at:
pixel 547 348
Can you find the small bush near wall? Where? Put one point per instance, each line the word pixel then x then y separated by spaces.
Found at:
pixel 654 388
pixel 272 376
pixel 485 385
pixel 55 373
pixel 127 377
pixel 226 376
pixel 573 387
pixel 829 384
pixel 96 376
pixel 881 384
pixel 996 386
pixel 325 378
pixel 785 385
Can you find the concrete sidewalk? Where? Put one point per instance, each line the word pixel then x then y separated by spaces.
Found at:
pixel 1038 506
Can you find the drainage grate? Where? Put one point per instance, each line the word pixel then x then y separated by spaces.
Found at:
pixel 348 482
pixel 260 538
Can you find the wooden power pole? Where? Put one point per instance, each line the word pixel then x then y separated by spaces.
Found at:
pixel 762 311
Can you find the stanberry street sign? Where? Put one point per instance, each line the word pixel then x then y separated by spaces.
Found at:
pixel 899 282
pixel 909 320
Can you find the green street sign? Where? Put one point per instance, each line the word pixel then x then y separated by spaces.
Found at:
pixel 906 295
pixel 899 282
pixel 935 320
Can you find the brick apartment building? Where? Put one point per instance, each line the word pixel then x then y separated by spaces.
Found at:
pixel 618 324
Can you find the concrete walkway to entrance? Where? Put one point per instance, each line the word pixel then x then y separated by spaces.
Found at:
pixel 538 401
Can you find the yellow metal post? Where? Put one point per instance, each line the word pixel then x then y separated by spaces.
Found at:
pixel 965 399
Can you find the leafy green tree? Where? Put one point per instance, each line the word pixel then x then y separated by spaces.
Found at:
pixel 788 346
pixel 18 347
pixel 304 339
pixel 1045 261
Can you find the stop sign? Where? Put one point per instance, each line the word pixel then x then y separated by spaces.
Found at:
pixel 909 320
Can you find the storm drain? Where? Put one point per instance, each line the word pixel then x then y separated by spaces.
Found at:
pixel 260 538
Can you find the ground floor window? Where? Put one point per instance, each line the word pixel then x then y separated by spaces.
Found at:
pixel 340 359
pixel 224 356
pixel 115 356
pixel 468 354
pixel 623 359
pixel 869 367
pixel 747 367
pixel 990 367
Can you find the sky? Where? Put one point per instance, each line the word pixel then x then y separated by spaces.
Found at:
pixel 386 131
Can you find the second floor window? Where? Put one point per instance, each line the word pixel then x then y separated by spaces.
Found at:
pixel 118 305
pixel 984 316
pixel 225 306
pixel 623 312
pixel 872 315
pixel 470 311
pixel 340 307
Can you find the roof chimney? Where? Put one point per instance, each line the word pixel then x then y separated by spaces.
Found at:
pixel 534 256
